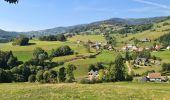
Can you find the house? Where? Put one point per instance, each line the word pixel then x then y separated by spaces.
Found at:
pixel 154 77
pixel 158 47
pixel 134 48
pixel 140 49
pixel 110 48
pixel 125 49
pixel 104 43
pixel 78 41
pixel 168 48
pixel 145 40
pixel 129 46
pixel 141 61
pixel 93 75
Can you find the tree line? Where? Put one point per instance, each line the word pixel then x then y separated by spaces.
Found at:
pixel 165 39
pixel 59 37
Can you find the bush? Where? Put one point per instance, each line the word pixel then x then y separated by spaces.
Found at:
pixel 21 41
pixel 59 37
pixel 39 75
pixel 84 81
pixel 62 51
pixel 129 78
pixel 31 78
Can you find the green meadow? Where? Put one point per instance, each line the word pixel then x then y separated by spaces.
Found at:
pixel 74 91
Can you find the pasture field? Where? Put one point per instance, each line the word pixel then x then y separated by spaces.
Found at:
pixel 74 91
pixel 24 53
pixel 159 30
pixel 85 38
pixel 164 55
pixel 83 64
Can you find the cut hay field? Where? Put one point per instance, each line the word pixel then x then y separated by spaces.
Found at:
pixel 104 91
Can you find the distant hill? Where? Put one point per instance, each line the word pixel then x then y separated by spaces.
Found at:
pixel 84 27
pixel 6 36
pixel 115 23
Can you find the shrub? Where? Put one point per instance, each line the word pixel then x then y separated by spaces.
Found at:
pixel 21 41
pixel 129 78
pixel 31 78
pixel 39 75
pixel 61 51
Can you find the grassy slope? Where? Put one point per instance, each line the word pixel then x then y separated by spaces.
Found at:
pixel 164 55
pixel 24 53
pixel 159 31
pixel 105 91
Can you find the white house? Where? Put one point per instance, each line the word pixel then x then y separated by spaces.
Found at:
pixel 93 75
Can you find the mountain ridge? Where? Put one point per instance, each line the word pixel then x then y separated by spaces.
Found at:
pixel 83 27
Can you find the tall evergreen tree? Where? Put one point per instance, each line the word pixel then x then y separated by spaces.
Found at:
pixel 61 74
pixel 119 68
pixel 69 73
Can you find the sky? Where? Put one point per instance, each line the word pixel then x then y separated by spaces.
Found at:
pixel 30 15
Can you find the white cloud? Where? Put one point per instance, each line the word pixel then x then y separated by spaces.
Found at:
pixel 163 6
pixel 142 9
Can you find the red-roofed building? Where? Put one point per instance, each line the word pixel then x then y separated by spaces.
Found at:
pixel 154 77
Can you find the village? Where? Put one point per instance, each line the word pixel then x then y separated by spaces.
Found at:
pixel 138 62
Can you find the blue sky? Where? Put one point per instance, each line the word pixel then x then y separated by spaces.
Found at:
pixel 30 15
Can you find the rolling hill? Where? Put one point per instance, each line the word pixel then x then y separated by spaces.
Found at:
pixel 113 22
pixel 6 36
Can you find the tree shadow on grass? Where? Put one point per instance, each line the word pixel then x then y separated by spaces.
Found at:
pixel 31 44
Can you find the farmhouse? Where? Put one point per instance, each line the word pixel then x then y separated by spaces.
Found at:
pixel 78 41
pixel 154 77
pixel 93 75
pixel 145 40
pixel 141 61
pixel 168 48
pixel 158 47
pixel 110 48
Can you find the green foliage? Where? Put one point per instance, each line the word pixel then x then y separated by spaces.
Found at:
pixel 127 56
pixel 39 53
pixel 143 54
pixel 62 51
pixel 7 60
pixel 12 1
pixel 111 40
pixel 59 37
pixel 69 73
pixel 46 76
pixel 5 76
pixel 91 67
pixel 39 75
pixel 31 78
pixel 166 67
pixel 119 68
pixel 21 41
pixel 61 74
pixel 135 28
pixel 96 67
pixel 165 39
pixel 12 61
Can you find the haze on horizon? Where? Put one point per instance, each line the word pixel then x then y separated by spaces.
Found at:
pixel 30 15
